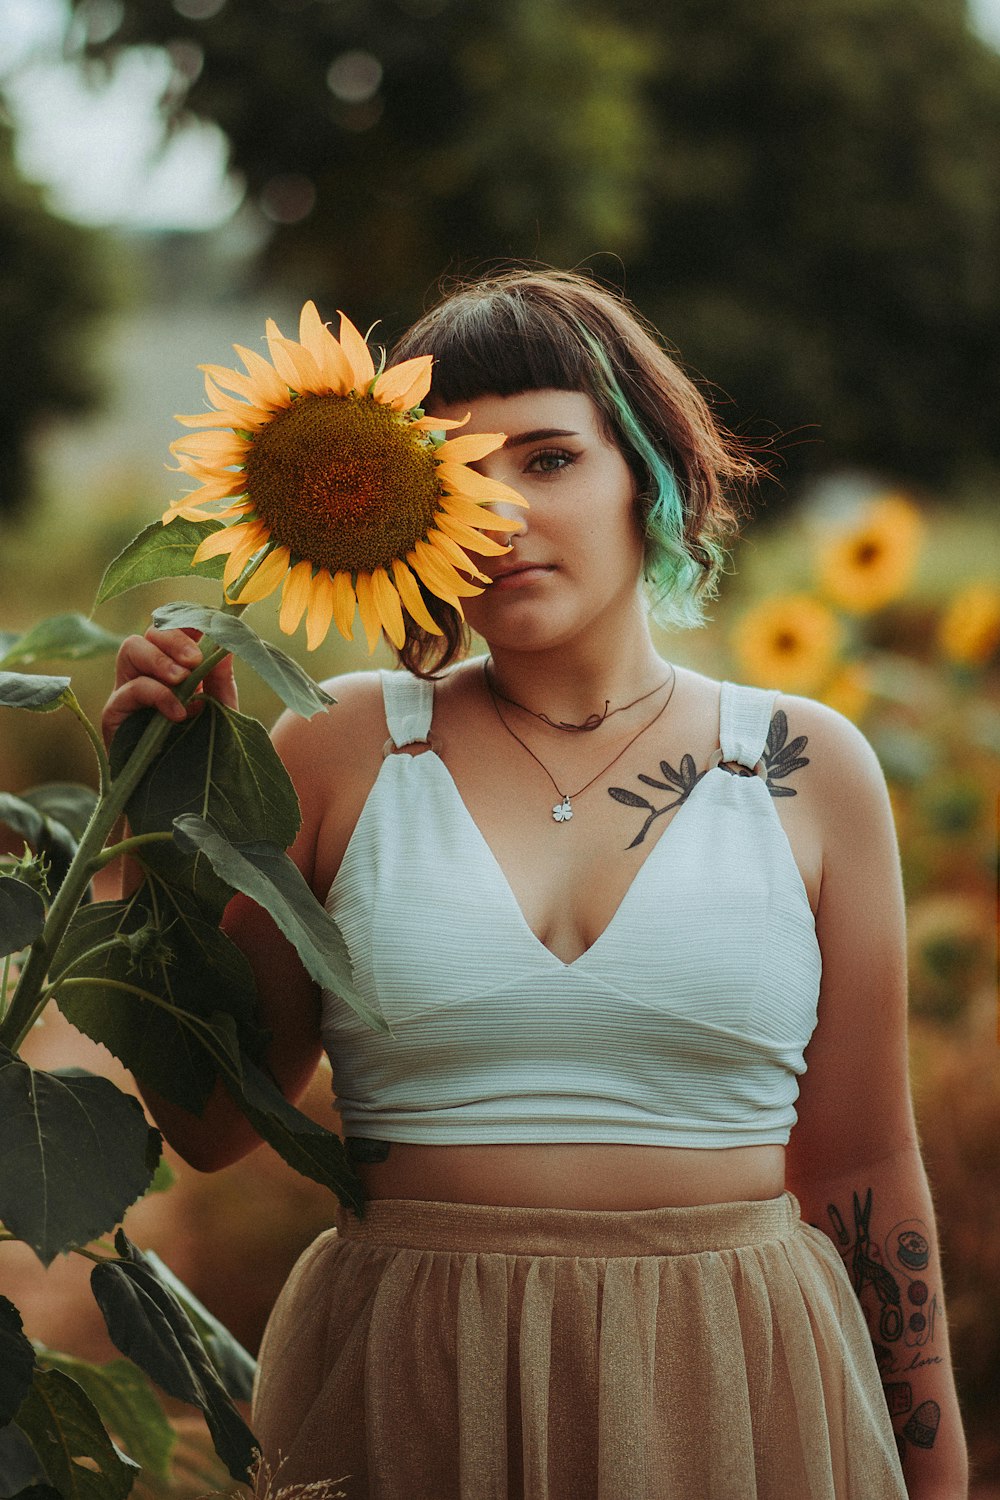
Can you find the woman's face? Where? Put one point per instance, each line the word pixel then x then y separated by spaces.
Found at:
pixel 577 562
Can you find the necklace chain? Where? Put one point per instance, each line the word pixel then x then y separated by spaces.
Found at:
pixel 563 810
pixel 592 721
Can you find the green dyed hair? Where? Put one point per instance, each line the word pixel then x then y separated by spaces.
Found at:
pixel 526 330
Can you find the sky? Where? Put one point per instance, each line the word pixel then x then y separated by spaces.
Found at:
pixel 99 152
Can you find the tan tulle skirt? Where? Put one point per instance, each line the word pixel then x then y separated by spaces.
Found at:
pixel 439 1350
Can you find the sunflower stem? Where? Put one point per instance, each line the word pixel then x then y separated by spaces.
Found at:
pixel 30 996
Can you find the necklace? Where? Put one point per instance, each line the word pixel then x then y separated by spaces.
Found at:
pixel 563 810
pixel 592 721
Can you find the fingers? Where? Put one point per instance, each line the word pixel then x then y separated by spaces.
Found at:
pixel 151 666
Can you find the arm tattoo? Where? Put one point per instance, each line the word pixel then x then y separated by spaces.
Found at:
pixel 781 757
pixel 891 1283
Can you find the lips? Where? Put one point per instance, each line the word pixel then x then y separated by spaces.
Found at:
pixel 521 569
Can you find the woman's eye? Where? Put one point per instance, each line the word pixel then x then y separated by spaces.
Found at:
pixel 550 461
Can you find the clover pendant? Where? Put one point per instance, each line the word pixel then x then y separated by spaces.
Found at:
pixel 562 812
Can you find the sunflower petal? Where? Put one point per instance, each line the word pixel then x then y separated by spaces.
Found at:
pixel 368 609
pixel 476 486
pixel 320 615
pixel 467 537
pixel 404 386
pixel 344 604
pixel 389 608
pixel 453 552
pixel 479 515
pixel 293 363
pixel 413 601
pixel 334 367
pixel 267 382
pixel 218 542
pixel 255 535
pixel 471 446
pixel 438 424
pixel 295 596
pixel 266 578
pixel 437 572
pixel 357 352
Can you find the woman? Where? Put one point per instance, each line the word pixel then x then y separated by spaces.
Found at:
pixel 618 966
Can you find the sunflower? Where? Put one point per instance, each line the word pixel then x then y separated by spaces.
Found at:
pixel 871 563
pixel 969 630
pixel 789 641
pixel 849 690
pixel 337 486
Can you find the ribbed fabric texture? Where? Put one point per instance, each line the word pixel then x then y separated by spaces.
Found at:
pixel 684 1024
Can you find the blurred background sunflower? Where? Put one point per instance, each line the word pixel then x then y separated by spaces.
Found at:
pixel 803 198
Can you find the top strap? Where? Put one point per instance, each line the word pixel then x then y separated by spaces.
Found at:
pixel 744 720
pixel 409 707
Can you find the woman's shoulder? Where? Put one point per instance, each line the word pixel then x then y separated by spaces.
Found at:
pixel 351 724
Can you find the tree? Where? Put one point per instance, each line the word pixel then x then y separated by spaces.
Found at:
pixel 51 287
pixel 803 197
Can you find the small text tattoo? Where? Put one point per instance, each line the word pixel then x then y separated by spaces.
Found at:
pixel 780 758
pixel 891 1282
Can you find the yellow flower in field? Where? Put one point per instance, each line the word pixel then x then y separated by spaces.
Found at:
pixel 789 641
pixel 849 690
pixel 969 630
pixel 345 493
pixel 871 563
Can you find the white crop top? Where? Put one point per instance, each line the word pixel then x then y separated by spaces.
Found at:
pixel 684 1024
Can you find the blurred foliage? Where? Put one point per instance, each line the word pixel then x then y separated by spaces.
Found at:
pixel 51 286
pixel 804 196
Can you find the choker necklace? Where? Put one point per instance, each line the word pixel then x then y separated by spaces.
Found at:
pixel 563 810
pixel 592 721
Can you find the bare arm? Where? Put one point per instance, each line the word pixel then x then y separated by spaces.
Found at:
pixel 854 1160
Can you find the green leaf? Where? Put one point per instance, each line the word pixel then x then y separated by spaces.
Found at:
pixel 235 1367
pixel 317 1153
pixel 21 1473
pixel 70 1439
pixel 160 552
pixel 61 638
pixel 294 687
pixel 75 1152
pixel 163 1178
pixel 17 1361
pixel 222 766
pixel 265 873
pixel 128 1406
pixel 44 835
pixel 150 1327
pixel 67 802
pixel 39 695
pixel 161 946
pixel 22 915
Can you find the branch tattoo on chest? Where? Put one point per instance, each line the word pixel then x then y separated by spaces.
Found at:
pixel 781 756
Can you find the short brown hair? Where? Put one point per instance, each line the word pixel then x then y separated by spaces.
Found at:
pixel 525 330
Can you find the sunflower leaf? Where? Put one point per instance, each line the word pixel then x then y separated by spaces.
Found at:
pixel 61 638
pixel 71 1441
pixel 149 1325
pixel 127 1404
pixel 160 552
pixel 265 873
pixel 75 1152
pixel 293 685
pixel 22 914
pixel 45 836
pixel 221 765
pixel 40 695
pixel 312 1150
pixel 69 803
pixel 158 985
pixel 234 1366
pixel 17 1360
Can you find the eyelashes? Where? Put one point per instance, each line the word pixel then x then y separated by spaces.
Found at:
pixel 547 462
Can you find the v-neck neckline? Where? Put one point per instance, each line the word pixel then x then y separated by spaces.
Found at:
pixel 504 880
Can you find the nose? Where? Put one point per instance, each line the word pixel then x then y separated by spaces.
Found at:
pixel 510 519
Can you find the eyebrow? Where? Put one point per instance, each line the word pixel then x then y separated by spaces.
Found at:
pixel 538 435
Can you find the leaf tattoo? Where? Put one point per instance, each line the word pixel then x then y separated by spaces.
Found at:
pixel 781 757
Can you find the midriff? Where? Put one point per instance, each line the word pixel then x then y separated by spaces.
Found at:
pixel 558 1175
